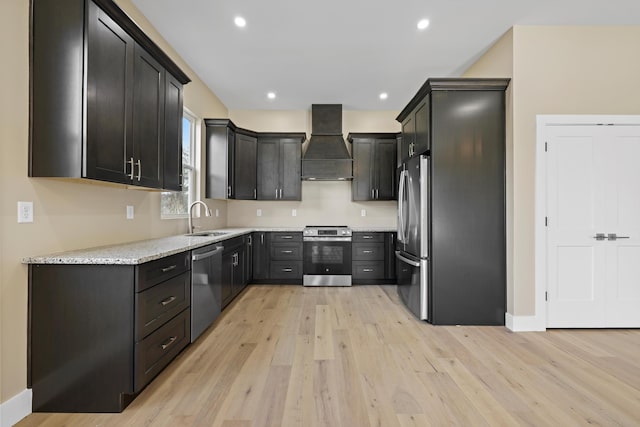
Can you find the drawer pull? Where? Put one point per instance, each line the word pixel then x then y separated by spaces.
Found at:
pixel 287 270
pixel 367 270
pixel 168 301
pixel 367 252
pixel 286 237
pixel 168 342
pixel 367 236
pixel 171 267
pixel 286 252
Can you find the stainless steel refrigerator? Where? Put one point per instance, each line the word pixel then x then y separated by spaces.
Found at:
pixel 412 249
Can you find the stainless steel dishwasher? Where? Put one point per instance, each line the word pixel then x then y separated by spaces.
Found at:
pixel 206 287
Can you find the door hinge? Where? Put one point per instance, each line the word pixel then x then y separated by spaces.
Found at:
pixel 546 147
pixel 546 296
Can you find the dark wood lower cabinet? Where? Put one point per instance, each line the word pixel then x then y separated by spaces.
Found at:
pixel 373 258
pixel 234 273
pixel 277 257
pixel 99 333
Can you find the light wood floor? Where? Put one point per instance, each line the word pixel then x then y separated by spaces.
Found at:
pixel 294 356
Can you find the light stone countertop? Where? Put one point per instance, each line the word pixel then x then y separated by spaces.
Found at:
pixel 134 253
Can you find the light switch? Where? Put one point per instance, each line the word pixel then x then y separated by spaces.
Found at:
pixel 130 212
pixel 363 212
pixel 258 212
pixel 294 212
pixel 217 213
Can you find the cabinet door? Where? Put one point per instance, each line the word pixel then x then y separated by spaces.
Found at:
pixel 290 169
pixel 390 257
pixel 227 277
pixel 421 117
pixel 260 256
pixel 362 186
pixel 248 259
pixel 385 169
pixel 408 136
pixel 110 55
pixel 245 150
pixel 239 272
pixel 172 171
pixel 148 119
pixel 268 169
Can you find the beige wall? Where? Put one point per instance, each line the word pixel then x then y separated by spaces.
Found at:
pixel 327 202
pixel 68 215
pixel 558 70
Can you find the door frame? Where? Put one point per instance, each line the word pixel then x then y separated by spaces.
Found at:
pixel 543 122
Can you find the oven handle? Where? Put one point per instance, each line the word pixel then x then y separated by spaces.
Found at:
pixel 326 239
pixel 407 260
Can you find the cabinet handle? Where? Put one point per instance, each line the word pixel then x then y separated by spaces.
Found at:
pixel 171 267
pixel 168 301
pixel 286 237
pixel 276 194
pixel 367 270
pixel 249 241
pixel 373 193
pixel 367 252
pixel 367 236
pixel 286 252
pixel 168 342
pixel 229 191
pixel 131 174
pixel 139 163
pixel 377 193
pixel 255 193
pixel 287 270
pixel 262 238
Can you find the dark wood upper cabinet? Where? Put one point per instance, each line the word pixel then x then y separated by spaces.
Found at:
pixel 133 115
pixel 231 161
pixel 279 168
pixel 374 166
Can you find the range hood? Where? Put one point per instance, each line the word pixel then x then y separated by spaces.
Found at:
pixel 326 157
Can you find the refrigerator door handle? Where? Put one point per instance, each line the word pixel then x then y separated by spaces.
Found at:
pixel 401 191
pixel 407 260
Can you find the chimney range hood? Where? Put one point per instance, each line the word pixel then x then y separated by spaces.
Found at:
pixel 326 157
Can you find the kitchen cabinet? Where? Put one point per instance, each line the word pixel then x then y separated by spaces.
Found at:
pixel 373 258
pixel 231 161
pixel 233 269
pixel 415 129
pixel 261 257
pixel 248 261
pixel 279 166
pixel 116 128
pixel 98 334
pixel 374 166
pixel 462 124
pixel 277 257
pixel 173 112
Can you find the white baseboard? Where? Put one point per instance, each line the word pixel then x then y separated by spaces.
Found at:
pixel 523 323
pixel 16 408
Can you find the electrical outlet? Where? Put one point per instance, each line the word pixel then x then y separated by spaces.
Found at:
pixel 363 212
pixel 258 212
pixel 130 212
pixel 217 213
pixel 294 212
pixel 25 212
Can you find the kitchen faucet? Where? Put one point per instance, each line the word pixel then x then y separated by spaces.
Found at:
pixel 207 212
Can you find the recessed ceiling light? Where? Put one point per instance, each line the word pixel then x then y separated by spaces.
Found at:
pixel 423 23
pixel 240 21
pixel 271 95
pixel 384 95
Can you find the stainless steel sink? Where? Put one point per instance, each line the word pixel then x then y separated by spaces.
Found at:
pixel 208 234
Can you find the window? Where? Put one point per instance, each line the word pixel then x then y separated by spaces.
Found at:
pixel 176 204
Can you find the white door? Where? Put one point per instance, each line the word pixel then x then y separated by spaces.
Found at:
pixel 593 189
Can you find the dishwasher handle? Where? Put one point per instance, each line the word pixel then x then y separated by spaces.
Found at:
pixel 198 257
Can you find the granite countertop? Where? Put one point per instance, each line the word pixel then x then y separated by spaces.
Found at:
pixel 148 250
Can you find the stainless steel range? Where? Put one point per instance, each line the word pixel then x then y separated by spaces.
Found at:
pixel 327 255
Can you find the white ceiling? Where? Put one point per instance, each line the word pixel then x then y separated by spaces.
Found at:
pixel 349 51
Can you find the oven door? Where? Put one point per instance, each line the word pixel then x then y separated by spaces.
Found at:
pixel 327 257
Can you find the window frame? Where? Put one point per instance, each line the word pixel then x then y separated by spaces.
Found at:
pixel 189 169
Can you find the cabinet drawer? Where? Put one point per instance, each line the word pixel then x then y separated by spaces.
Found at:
pixel 154 272
pixel 286 237
pixel 368 270
pixel 156 305
pixel 286 270
pixel 368 237
pixel 284 251
pixel 158 349
pixel 368 251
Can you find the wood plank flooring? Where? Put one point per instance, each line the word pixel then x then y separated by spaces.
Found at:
pixel 294 356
